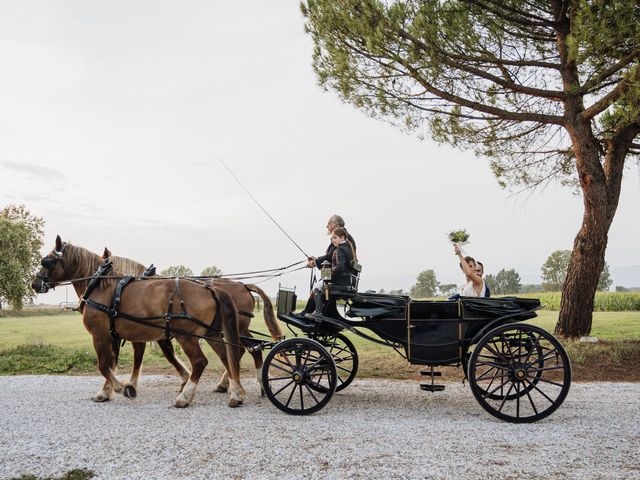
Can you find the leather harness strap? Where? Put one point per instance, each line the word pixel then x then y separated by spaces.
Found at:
pixel 112 310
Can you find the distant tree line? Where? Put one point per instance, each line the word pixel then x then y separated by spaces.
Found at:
pixel 182 271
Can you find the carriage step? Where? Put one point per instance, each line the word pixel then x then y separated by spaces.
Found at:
pixel 431 388
pixel 429 373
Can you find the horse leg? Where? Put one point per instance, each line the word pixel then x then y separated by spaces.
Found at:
pixel 220 350
pixel 104 351
pixel 167 350
pixel 236 392
pixel 131 387
pixel 198 361
pixel 115 344
pixel 257 361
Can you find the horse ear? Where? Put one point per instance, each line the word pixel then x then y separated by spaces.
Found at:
pixel 106 253
pixel 58 243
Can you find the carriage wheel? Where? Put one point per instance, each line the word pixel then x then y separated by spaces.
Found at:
pixel 299 376
pixel 519 373
pixel 344 355
pixel 495 359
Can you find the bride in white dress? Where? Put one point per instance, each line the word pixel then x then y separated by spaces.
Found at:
pixel 475 284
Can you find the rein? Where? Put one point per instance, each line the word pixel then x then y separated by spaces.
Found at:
pixel 264 275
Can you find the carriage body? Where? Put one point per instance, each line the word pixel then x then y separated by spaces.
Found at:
pixel 517 371
pixel 429 332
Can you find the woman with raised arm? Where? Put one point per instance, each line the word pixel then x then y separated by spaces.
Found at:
pixel 475 284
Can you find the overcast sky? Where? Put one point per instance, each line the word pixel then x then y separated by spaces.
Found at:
pixel 114 116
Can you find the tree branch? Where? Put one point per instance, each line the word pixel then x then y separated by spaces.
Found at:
pixel 604 103
pixel 613 69
pixel 509 84
pixel 480 107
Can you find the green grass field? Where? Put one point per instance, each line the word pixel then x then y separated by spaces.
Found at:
pixel 60 344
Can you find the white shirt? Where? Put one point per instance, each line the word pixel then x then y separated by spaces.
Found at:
pixel 468 291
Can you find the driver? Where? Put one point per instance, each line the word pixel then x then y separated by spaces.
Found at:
pixel 335 221
pixel 341 261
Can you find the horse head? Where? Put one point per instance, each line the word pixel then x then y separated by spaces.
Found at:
pixel 53 268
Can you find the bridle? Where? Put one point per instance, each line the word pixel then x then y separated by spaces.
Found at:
pixel 49 263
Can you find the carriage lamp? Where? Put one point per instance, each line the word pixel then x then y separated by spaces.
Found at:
pixel 325 271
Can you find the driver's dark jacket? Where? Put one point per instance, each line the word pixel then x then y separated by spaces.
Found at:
pixel 327 257
pixel 341 265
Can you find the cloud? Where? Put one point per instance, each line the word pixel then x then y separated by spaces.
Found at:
pixel 33 170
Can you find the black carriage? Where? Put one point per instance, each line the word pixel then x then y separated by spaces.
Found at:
pixel 518 372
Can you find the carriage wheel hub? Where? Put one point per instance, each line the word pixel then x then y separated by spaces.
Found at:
pixel 297 377
pixel 520 373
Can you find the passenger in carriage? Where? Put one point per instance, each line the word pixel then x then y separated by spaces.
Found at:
pixel 480 271
pixel 341 268
pixel 475 286
pixel 335 221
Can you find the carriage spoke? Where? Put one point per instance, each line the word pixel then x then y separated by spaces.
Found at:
pixel 547 381
pixel 273 379
pixel 281 368
pixel 532 404
pixel 311 393
pixel 546 369
pixel 495 352
pixel 484 374
pixel 343 369
pixel 491 364
pixel 505 342
pixel 496 389
pixel 540 391
pixel 286 357
pixel 549 356
pixel 505 398
pixel 301 398
pixel 517 400
pixel 276 393
pixel 497 375
pixel 291 396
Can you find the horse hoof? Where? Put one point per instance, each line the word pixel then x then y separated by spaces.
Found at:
pixel 100 398
pixel 221 389
pixel 234 403
pixel 181 404
pixel 130 391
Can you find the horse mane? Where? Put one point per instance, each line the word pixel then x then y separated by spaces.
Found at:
pixel 126 266
pixel 83 263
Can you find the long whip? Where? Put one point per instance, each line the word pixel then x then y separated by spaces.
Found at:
pixel 263 209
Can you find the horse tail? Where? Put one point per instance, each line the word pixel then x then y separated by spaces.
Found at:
pixel 229 313
pixel 269 317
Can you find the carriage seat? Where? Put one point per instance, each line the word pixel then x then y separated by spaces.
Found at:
pixel 345 290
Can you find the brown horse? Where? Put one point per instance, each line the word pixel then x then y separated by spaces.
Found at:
pixel 242 297
pixel 149 310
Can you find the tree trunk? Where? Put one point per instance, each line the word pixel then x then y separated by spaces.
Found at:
pixel 585 267
pixel 601 193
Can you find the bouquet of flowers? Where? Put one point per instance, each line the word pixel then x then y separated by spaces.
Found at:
pixel 461 237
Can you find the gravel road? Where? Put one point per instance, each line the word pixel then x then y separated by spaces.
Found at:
pixel 373 429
